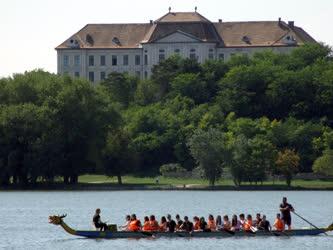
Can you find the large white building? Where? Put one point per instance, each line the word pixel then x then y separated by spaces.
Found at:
pixel 98 49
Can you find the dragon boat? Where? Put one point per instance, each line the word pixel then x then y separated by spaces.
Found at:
pixel 113 234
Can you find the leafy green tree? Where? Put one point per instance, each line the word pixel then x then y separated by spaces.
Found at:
pixel 190 85
pixel 118 156
pixel 210 150
pixel 287 164
pixel 121 86
pixel 164 72
pixel 324 164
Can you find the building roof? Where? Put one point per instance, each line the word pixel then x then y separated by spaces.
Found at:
pixel 261 33
pixel 224 34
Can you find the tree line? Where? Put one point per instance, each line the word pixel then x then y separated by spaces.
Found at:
pixel 254 116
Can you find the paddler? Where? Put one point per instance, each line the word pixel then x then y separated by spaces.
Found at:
pixel 126 225
pixel 196 225
pixel 135 224
pixel 163 225
pixel 242 221
pixel 153 223
pixel 248 223
pixel 211 223
pixel 264 224
pixel 146 224
pixel 285 209
pixel 97 221
pixel 278 224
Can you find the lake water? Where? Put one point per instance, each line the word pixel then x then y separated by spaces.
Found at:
pixel 24 217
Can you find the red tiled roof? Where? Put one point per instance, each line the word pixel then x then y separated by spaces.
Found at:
pixel 229 34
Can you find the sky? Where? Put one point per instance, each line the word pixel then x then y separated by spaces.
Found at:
pixel 31 29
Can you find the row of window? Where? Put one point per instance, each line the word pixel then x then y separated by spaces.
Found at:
pixel 114 58
pixel 102 60
pixel 102 76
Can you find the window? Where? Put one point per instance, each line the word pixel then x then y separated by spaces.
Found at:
pixel 192 54
pixel 76 60
pixel 221 56
pixel 161 57
pixel 114 60
pixel 146 74
pixel 102 75
pixel 211 56
pixel 137 59
pixel 232 54
pixel 125 59
pixel 146 59
pixel 102 60
pixel 177 51
pixel 77 74
pixel 138 73
pixel 91 61
pixel 91 76
pixel 66 60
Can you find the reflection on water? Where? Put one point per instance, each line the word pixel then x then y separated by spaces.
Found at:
pixel 24 217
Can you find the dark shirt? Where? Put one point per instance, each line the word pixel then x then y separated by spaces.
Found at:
pixel 179 223
pixel 264 225
pixel 171 225
pixel 187 226
pixel 203 225
pixel 286 213
pixel 97 219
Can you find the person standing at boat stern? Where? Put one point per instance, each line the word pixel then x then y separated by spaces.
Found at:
pixel 285 209
pixel 97 221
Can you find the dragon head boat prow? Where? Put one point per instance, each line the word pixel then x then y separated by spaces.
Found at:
pixel 56 219
pixel 330 227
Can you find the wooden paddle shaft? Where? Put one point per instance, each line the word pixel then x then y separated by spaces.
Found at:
pixel 307 221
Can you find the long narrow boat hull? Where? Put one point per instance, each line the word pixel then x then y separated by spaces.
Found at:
pixel 58 220
pixel 222 234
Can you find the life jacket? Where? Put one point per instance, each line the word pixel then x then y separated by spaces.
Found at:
pixel 211 225
pixel 247 225
pixel 196 225
pixel 146 226
pixel 279 225
pixel 154 225
pixel 134 226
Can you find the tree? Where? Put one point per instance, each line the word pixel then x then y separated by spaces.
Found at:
pixel 190 85
pixel 118 156
pixel 210 150
pixel 252 159
pixel 164 72
pixel 287 164
pixel 324 164
pixel 121 87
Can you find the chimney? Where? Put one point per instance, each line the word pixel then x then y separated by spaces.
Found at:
pixel 151 21
pixel 291 24
pixel 220 20
pixel 279 19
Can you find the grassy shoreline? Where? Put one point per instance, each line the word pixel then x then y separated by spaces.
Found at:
pixel 101 182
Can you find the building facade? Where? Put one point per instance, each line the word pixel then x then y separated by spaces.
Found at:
pixel 99 49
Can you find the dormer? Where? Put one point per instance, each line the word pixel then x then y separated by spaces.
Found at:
pixel 89 40
pixel 289 40
pixel 73 43
pixel 246 39
pixel 116 41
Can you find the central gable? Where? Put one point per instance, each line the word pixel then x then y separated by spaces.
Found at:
pixel 178 37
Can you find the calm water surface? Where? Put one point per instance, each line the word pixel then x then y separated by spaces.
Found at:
pixel 24 217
